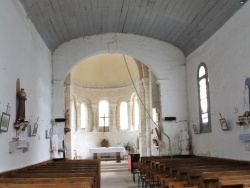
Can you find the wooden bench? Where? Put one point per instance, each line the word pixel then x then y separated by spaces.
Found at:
pixel 211 179
pixel 61 174
pixel 191 169
pixel 47 180
pixel 47 185
pixel 233 183
pixel 194 176
pixel 60 182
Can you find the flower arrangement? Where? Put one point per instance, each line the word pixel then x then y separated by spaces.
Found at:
pixel 20 124
pixel 17 125
pixel 128 146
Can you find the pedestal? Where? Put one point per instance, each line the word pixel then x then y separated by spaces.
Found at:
pixel 134 157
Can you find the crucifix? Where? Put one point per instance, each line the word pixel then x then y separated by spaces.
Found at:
pixel 104 117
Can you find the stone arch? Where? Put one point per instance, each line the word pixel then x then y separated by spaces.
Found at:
pixel 157 55
pixel 164 60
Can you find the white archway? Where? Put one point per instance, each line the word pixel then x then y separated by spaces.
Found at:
pixel 164 60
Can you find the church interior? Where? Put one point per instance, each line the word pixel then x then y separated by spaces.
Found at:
pixel 104 80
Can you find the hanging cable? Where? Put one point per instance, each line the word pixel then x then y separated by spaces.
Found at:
pixel 139 95
pixel 145 106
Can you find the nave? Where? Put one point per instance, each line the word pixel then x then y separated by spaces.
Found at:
pixel 116 175
pixel 165 172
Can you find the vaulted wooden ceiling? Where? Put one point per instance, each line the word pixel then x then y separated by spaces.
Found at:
pixel 184 23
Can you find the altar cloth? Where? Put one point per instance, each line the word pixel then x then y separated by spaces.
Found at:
pixel 106 150
pixel 116 150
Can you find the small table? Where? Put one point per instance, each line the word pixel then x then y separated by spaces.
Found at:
pixel 133 157
pixel 116 150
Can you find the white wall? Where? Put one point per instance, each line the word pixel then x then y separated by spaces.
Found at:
pixel 173 94
pixel 164 60
pixel 23 55
pixel 227 57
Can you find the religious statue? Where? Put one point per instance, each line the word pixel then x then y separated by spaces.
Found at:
pixel 55 145
pixel 21 96
pixel 184 144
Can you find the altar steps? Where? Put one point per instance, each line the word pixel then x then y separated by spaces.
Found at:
pixel 112 166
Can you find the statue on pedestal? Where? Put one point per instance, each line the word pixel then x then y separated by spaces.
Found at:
pixel 21 96
pixel 55 145
pixel 184 144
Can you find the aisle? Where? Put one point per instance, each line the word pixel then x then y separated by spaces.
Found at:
pixel 116 175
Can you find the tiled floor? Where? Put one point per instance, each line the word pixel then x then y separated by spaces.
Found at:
pixel 122 179
pixel 117 179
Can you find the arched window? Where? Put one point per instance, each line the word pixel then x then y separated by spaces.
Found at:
pixel 84 115
pixel 123 116
pixel 203 93
pixel 103 113
pixel 136 113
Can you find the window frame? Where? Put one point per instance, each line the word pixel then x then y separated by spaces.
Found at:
pixel 204 127
pixel 121 114
pixel 99 116
pixel 81 117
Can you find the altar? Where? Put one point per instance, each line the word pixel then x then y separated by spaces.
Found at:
pixel 100 150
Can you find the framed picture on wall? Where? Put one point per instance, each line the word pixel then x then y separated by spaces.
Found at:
pixel 49 133
pixel 195 129
pixel 35 129
pixel 223 124
pixel 4 124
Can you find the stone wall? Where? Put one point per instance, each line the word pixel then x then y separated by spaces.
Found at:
pixel 80 140
pixel 227 56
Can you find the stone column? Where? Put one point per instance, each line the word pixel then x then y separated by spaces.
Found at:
pixel 67 137
pixel 143 128
pixel 130 115
pixel 145 83
pixel 113 122
pixel 78 116
pixel 95 118
pixel 58 105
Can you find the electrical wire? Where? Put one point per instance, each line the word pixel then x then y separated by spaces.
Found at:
pixel 145 106
pixel 139 95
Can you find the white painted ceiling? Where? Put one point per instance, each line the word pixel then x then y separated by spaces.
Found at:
pixel 184 23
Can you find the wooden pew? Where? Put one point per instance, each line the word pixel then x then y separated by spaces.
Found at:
pixel 246 185
pixel 82 173
pixel 196 177
pixel 177 184
pixel 46 180
pixel 60 182
pixel 192 168
pixel 233 183
pixel 211 179
pixel 47 185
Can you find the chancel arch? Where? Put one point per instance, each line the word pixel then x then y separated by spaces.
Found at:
pixel 165 63
pixel 106 83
